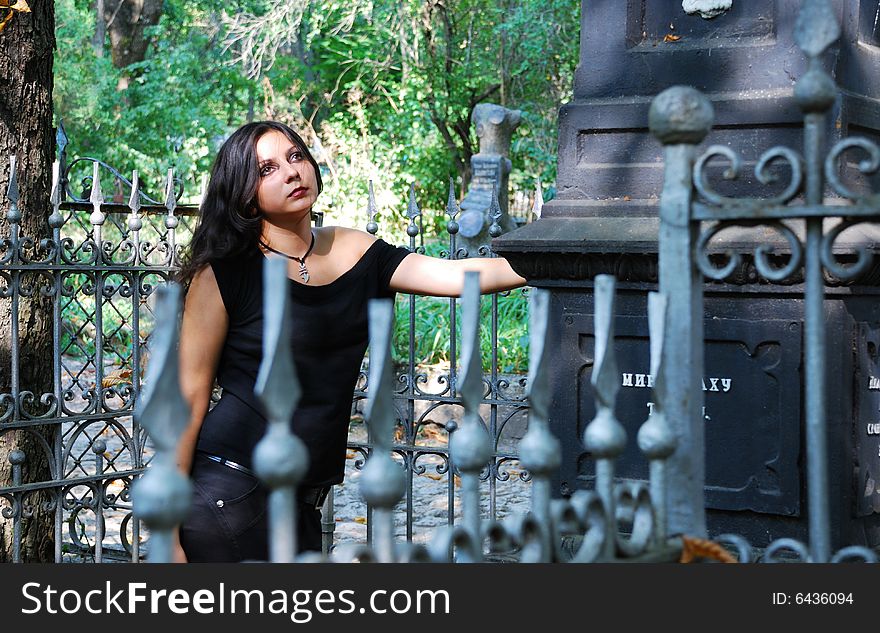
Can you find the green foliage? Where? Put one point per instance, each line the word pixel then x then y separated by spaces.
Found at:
pixel 180 102
pixel 384 91
pixel 433 325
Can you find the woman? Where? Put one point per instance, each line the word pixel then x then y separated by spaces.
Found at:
pixel 259 201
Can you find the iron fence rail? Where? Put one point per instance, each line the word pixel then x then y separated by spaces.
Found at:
pixel 99 270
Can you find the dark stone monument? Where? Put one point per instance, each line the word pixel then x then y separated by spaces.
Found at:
pixel 491 169
pixel 604 220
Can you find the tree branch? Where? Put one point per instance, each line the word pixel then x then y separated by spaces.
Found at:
pixel 478 98
pixel 443 128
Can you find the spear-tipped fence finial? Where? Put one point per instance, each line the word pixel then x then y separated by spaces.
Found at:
pixel 412 212
pixel 13 216
pixel 171 220
pixel 655 437
pixel 56 220
pixel 816 29
pixel 452 209
pixel 162 496
pixel 134 203
pixel 539 450
pixel 469 445
pixel 372 210
pixel 495 229
pixel 96 197
pixel 605 437
pixel 61 142
pixel 605 378
pixel 383 483
pixel 280 457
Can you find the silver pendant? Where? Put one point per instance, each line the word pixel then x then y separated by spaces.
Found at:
pixel 303 272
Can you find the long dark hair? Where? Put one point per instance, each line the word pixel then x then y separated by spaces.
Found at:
pixel 229 222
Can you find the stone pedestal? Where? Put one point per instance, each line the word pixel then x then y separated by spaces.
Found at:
pixel 604 220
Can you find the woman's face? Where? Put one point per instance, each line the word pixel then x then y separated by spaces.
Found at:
pixel 287 179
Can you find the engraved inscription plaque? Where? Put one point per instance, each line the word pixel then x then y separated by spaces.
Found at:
pixel 867 432
pixel 752 405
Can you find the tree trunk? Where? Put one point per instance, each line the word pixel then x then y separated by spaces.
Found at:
pixel 310 104
pixel 100 29
pixel 26 48
pixel 127 21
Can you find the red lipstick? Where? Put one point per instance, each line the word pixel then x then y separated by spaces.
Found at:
pixel 299 192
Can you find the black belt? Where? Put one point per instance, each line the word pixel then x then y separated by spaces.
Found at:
pixel 310 495
pixel 231 464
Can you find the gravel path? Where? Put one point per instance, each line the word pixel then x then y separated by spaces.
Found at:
pixel 430 501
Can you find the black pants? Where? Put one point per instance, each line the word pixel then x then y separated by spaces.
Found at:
pixel 228 520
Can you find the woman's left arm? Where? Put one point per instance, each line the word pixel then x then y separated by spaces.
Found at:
pixel 421 275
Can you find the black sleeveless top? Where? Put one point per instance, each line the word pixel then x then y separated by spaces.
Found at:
pixel 329 339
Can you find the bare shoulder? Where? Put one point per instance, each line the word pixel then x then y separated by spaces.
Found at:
pixel 203 291
pixel 203 279
pixel 345 240
pixel 203 331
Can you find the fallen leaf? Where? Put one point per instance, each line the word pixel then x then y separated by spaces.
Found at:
pixel 695 548
pixel 626 198
pixel 669 37
pixel 349 454
pixel 433 432
pixel 116 378
pixel 361 520
pixel 434 476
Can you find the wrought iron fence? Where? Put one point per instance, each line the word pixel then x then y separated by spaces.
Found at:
pixel 428 402
pixel 693 213
pixel 99 267
pixel 590 519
